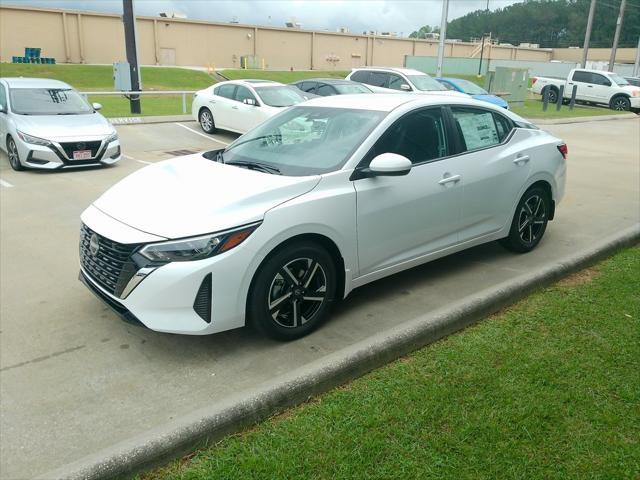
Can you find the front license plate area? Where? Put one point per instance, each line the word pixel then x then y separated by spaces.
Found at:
pixel 82 154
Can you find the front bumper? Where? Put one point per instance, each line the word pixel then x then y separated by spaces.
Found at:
pixel 54 156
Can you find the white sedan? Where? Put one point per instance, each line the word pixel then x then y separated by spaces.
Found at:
pixel 240 105
pixel 323 198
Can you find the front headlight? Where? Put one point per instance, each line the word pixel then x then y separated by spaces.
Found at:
pixel 33 140
pixel 636 93
pixel 112 138
pixel 196 248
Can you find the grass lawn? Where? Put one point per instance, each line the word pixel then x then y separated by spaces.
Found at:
pixel 548 389
pixel 282 76
pixel 533 109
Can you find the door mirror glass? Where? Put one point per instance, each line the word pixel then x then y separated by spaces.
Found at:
pixel 250 101
pixel 96 106
pixel 389 164
pixel 405 87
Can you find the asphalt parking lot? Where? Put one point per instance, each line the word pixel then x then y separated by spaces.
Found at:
pixel 74 379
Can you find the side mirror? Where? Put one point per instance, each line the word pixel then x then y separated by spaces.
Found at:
pixel 96 106
pixel 250 101
pixel 3 109
pixel 405 87
pixel 385 165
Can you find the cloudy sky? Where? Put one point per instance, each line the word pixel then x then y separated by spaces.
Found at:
pixel 359 15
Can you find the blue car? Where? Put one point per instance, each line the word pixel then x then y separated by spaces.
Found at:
pixel 470 88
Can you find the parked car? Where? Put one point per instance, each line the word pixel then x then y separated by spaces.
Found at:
pixel 470 88
pixel 46 124
pixel 326 87
pixel 593 86
pixel 398 80
pixel 240 105
pixel 325 197
pixel 635 81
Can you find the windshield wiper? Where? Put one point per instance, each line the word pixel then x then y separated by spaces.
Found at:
pixel 256 166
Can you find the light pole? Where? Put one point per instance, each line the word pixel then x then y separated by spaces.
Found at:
pixel 443 36
pixel 636 65
pixel 129 20
pixel 616 36
pixel 482 47
pixel 587 34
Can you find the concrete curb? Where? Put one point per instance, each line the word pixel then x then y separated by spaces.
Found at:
pixel 601 118
pixel 150 119
pixel 212 423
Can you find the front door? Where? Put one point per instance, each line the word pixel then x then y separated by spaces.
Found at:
pixel 402 218
pixel 244 117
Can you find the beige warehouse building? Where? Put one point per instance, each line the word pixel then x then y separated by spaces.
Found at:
pixel 97 38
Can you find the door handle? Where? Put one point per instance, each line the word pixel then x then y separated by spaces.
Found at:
pixel 447 178
pixel 234 107
pixel 589 86
pixel 521 159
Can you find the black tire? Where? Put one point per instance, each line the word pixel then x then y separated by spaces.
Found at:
pixel 553 95
pixel 529 221
pixel 14 155
pixel 296 281
pixel 205 118
pixel 620 103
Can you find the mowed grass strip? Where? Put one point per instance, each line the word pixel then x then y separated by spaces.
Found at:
pixel 548 389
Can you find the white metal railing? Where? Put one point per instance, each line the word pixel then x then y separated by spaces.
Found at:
pixel 124 93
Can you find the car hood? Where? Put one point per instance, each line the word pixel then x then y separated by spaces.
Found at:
pixel 191 195
pixel 64 126
pixel 491 99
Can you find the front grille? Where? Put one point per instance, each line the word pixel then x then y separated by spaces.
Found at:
pixel 70 147
pixel 111 266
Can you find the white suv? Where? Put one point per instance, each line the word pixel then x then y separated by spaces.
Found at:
pixel 389 80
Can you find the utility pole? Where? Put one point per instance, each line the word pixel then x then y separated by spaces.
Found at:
pixel 129 20
pixel 482 47
pixel 616 36
pixel 443 36
pixel 587 34
pixel 636 65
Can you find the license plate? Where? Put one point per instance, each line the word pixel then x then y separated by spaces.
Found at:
pixel 82 154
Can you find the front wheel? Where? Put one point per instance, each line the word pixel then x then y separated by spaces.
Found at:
pixel 620 104
pixel 529 222
pixel 14 155
pixel 292 292
pixel 206 121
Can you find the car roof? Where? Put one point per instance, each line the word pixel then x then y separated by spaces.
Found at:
pixel 387 102
pixel 404 71
pixel 26 82
pixel 330 81
pixel 253 83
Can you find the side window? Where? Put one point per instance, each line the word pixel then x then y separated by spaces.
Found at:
pixel 242 93
pixel 598 79
pixel 395 81
pixel 378 79
pixel 503 126
pixel 225 90
pixel 448 86
pixel 3 96
pixel 477 128
pixel 579 76
pixel 361 76
pixel 325 90
pixel 420 136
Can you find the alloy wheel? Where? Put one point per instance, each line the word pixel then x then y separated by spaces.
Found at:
pixel 531 219
pixel 14 157
pixel 620 104
pixel 553 96
pixel 206 120
pixel 297 292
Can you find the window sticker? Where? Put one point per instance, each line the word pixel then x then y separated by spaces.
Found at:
pixel 479 129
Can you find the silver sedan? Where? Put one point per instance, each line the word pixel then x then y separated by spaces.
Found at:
pixel 46 124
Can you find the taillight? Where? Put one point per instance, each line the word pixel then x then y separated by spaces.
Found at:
pixel 564 150
pixel 534 80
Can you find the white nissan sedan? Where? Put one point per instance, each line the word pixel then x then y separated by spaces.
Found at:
pixel 240 105
pixel 46 124
pixel 318 200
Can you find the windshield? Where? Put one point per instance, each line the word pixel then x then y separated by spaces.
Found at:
pixel 48 101
pixel 305 140
pixel 279 96
pixel 425 83
pixel 346 89
pixel 471 88
pixel 618 79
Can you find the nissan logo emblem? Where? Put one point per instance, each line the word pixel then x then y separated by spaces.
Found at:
pixel 94 245
pixel 81 146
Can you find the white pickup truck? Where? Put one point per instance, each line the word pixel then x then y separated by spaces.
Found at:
pixel 594 86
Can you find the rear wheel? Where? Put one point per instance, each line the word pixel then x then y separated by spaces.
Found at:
pixel 553 95
pixel 620 103
pixel 292 292
pixel 206 120
pixel 529 222
pixel 14 155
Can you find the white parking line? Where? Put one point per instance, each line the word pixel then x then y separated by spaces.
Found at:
pixel 136 160
pixel 6 184
pixel 202 134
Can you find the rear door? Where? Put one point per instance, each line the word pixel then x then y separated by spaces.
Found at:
pixel 583 81
pixel 494 164
pixel 221 105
